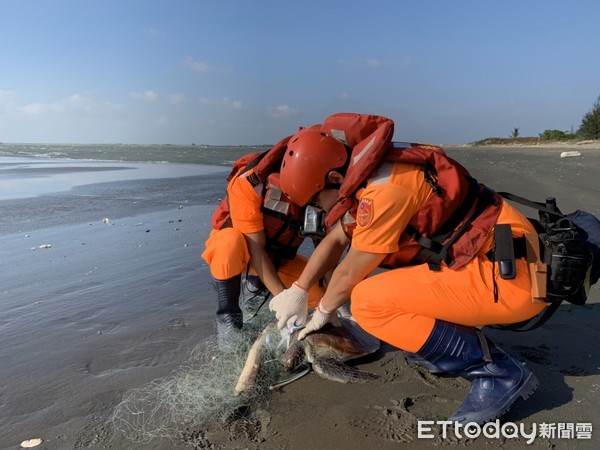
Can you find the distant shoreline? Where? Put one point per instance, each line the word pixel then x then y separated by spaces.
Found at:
pixel 531 143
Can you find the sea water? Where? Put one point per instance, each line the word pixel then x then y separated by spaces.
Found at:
pixel 60 184
pixel 183 154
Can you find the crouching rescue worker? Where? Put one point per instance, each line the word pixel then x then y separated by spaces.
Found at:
pixel 415 211
pixel 256 227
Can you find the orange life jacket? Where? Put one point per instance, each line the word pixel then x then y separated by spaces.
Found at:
pixel 282 218
pixel 452 225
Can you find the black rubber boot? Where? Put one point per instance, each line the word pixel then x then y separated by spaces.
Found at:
pixel 229 314
pixel 252 288
pixel 497 380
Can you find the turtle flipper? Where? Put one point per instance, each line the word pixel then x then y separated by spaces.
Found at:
pixel 335 370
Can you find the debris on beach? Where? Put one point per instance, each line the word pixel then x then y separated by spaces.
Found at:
pixel 43 246
pixel 570 154
pixel 106 220
pixel 30 443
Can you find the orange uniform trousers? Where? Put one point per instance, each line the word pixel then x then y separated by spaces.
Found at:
pixel 400 306
pixel 227 255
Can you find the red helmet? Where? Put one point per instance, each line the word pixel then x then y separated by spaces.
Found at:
pixel 310 156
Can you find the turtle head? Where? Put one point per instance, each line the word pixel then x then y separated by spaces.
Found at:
pixel 294 356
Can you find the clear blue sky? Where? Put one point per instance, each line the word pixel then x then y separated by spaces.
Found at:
pixel 252 71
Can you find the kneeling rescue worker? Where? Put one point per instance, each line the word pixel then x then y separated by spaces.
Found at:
pixel 413 210
pixel 257 231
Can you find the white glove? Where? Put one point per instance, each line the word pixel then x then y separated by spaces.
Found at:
pixel 291 307
pixel 318 320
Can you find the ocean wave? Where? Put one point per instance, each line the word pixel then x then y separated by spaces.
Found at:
pixel 158 154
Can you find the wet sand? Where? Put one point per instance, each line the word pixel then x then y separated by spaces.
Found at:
pixel 109 307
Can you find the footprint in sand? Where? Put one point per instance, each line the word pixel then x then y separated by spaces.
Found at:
pixel 96 433
pixel 398 369
pixel 397 421
pixel 575 371
pixel 438 381
pixel 538 355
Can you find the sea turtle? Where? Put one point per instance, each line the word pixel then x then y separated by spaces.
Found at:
pixel 326 350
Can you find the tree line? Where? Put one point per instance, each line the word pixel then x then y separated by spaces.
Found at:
pixel 589 128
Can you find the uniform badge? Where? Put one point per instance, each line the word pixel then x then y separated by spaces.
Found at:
pixel 364 214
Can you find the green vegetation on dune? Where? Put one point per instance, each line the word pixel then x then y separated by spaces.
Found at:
pixel 589 129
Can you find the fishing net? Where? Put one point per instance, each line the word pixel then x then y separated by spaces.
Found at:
pixel 201 393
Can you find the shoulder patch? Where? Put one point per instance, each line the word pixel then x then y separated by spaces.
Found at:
pixel 364 214
pixel 254 179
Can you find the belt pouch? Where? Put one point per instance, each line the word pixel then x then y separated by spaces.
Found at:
pixel 504 251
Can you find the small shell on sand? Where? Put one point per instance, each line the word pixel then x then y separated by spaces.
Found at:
pixel 30 443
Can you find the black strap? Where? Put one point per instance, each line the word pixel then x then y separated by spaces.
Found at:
pixel 486 198
pixel 535 205
pixel 485 348
pixel 255 161
pixel 433 251
pixel 542 319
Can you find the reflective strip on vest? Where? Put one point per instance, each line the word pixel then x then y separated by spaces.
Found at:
pixel 364 151
pixel 340 135
pixel 273 200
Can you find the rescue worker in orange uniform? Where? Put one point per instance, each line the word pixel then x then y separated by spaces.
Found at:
pixel 256 230
pixel 433 315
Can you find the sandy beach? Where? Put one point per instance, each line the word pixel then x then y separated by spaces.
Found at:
pixel 93 309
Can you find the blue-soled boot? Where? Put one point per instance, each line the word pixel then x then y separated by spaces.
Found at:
pixel 497 380
pixel 229 314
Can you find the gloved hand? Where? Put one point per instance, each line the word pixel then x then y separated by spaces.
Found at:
pixel 318 320
pixel 291 307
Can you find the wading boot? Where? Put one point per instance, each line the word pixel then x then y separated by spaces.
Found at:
pixel 229 314
pixel 252 288
pixel 497 380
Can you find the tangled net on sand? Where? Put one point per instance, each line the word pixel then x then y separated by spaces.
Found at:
pixel 201 393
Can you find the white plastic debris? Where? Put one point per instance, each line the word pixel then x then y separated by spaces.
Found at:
pixel 569 154
pixel 43 246
pixel 106 220
pixel 30 443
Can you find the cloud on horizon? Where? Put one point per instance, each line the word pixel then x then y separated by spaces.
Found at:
pixel 148 96
pixel 375 63
pixel 281 111
pixel 196 66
